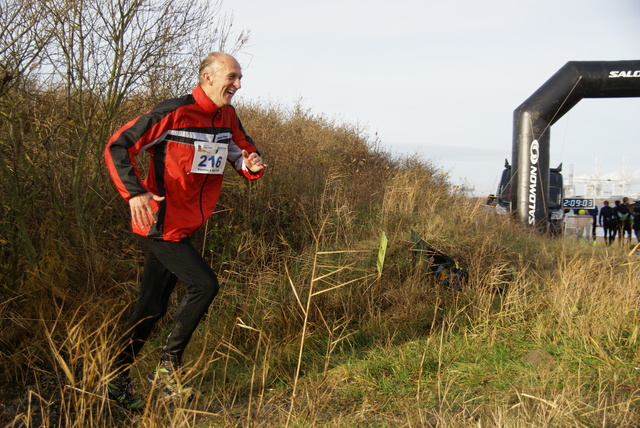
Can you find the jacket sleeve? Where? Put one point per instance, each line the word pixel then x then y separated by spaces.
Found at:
pixel 123 147
pixel 241 141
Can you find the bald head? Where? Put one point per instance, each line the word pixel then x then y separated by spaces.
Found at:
pixel 219 77
pixel 213 63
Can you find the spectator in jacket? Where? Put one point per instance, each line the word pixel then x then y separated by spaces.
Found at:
pixel 608 223
pixel 636 221
pixel 191 139
pixel 623 211
pixel 594 223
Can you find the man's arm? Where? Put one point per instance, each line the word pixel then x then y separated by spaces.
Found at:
pixel 243 154
pixel 137 135
pixel 119 156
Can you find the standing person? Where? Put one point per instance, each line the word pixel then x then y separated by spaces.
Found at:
pixel 606 220
pixel 623 211
pixel 190 140
pixel 616 220
pixel 594 223
pixel 636 220
pixel 582 224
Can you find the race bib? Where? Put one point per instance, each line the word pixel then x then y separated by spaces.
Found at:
pixel 209 158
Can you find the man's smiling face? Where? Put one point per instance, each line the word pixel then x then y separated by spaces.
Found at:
pixel 222 80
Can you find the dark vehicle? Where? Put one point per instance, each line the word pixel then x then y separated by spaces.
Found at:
pixel 556 194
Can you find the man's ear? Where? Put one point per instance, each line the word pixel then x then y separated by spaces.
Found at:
pixel 206 77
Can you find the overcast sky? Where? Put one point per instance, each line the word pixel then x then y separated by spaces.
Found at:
pixel 441 79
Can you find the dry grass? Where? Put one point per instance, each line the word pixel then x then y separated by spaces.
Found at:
pixel 303 332
pixel 320 341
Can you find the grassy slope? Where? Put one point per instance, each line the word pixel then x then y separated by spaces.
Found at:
pixel 304 333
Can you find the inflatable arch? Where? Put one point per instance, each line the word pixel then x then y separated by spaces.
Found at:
pixel 533 119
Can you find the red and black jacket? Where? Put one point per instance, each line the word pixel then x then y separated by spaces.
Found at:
pixel 168 133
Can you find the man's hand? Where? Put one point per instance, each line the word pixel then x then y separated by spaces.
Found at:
pixel 253 161
pixel 141 210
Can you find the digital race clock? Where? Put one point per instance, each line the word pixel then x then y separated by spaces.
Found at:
pixel 578 203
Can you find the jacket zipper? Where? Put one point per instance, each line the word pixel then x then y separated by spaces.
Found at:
pixel 215 135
